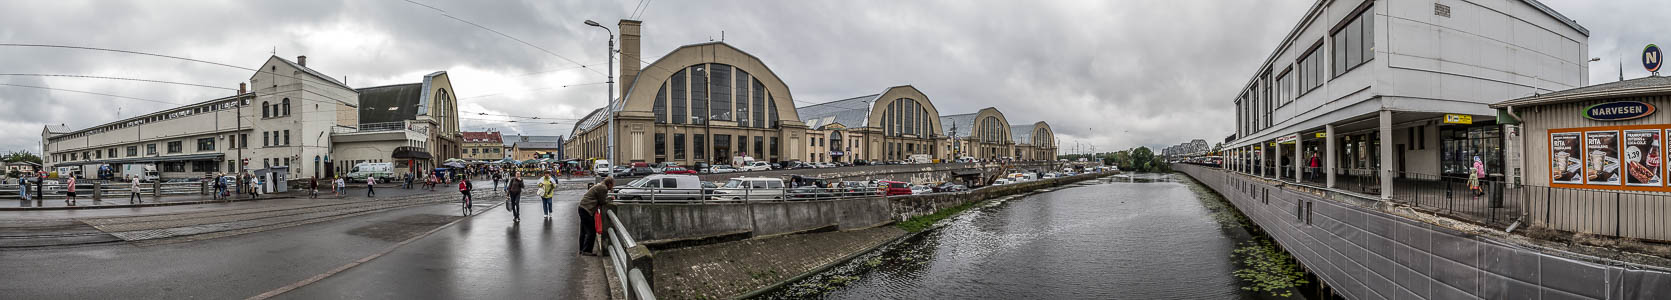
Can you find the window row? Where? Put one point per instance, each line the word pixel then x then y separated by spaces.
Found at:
pixel 173 147
pixel 275 110
pixel 715 92
pixel 721 150
pixel 157 117
pixel 1352 45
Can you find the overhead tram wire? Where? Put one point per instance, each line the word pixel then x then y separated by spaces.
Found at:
pixel 450 16
pixel 257 70
pixel 118 78
pixel 86 92
pixel 531 90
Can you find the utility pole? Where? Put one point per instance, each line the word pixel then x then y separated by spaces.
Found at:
pixel 609 120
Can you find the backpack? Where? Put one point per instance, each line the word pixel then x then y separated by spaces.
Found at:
pixel 462 187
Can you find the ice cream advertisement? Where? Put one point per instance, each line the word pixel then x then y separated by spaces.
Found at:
pixel 1566 158
pixel 1601 158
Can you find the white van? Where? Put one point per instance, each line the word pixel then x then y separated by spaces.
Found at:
pixel 601 167
pixel 382 171
pixel 750 188
pixel 662 187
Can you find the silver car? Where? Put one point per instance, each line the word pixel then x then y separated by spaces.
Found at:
pixel 750 188
pixel 662 187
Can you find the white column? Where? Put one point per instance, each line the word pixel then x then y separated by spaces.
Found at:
pixel 1328 155
pixel 1276 161
pixel 1299 153
pixel 1386 155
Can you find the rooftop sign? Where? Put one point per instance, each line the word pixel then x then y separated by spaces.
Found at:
pixel 1618 111
pixel 1651 58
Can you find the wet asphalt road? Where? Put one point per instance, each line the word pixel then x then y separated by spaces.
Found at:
pixel 484 256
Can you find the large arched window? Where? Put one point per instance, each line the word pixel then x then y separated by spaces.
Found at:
pixel 720 92
pixel 286 105
pixel 443 101
pixel 835 141
pixel 992 130
pixel 906 116
pixel 266 109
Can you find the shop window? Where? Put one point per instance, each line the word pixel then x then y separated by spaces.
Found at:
pixel 206 144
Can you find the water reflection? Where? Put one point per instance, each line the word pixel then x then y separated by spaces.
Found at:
pixel 1145 236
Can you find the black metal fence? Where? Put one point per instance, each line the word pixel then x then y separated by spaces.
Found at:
pixel 1497 204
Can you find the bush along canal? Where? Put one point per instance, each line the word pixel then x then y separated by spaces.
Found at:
pixel 1149 236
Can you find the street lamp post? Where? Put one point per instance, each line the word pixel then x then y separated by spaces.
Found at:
pixel 609 117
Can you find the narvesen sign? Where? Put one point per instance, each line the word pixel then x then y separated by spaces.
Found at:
pixel 1618 111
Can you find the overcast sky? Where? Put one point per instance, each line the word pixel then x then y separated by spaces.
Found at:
pixel 1114 74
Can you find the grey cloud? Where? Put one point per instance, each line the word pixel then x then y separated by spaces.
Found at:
pixel 1116 74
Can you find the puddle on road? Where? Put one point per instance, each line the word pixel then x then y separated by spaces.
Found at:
pixel 403 228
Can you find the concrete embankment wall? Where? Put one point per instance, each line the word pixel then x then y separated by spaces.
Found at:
pixel 671 222
pixel 663 222
pixel 1366 253
pixel 908 173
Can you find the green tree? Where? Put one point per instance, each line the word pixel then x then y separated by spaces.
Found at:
pixel 21 156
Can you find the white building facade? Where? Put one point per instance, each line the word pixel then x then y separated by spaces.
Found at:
pixel 1365 86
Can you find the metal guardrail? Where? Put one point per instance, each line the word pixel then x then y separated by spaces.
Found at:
pixel 738 195
pixel 86 190
pixel 634 284
pixel 1502 205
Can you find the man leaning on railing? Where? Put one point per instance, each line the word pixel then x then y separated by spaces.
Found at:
pixel 596 198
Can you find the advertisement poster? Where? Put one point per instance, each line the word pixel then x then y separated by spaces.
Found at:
pixel 1566 158
pixel 1642 163
pixel 1601 158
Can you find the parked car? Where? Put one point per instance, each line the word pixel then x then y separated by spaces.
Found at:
pixel 809 187
pixel 641 169
pixel 893 188
pixel 678 170
pixel 620 171
pixel 701 167
pixel 661 187
pixel 855 188
pixel 716 169
pixel 751 189
pixel 662 167
pixel 756 166
pixel 797 165
pixel 950 188
pixel 917 189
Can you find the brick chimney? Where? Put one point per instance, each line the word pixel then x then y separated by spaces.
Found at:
pixel 629 53
pixel 302 60
pixel 241 88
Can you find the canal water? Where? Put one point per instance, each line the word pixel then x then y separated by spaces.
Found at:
pixel 1152 237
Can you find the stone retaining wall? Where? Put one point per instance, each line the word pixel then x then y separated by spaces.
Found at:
pixel 658 223
pixel 1366 253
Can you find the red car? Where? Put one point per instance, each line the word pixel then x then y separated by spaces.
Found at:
pixel 678 170
pixel 891 188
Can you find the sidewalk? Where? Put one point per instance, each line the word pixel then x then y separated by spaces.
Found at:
pixel 353 192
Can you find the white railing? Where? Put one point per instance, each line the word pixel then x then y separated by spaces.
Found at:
pixel 634 284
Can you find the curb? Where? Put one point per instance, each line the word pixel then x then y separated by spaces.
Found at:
pixel 138 205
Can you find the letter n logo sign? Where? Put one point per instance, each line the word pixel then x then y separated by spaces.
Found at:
pixel 1651 58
